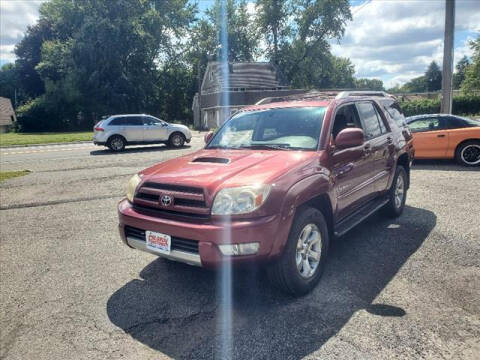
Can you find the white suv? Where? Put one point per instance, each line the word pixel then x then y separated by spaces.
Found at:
pixel 117 131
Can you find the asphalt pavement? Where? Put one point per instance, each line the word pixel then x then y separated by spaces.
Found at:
pixel 69 289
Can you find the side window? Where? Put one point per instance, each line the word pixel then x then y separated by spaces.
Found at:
pixel 426 124
pixel 345 117
pixel 116 122
pixel 134 121
pixel 370 119
pixel 148 120
pixel 454 123
pixel 393 109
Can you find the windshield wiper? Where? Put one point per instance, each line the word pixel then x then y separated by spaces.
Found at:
pixel 267 146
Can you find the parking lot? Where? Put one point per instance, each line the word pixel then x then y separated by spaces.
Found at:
pixel 404 288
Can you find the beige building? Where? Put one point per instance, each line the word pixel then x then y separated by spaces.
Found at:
pixel 7 114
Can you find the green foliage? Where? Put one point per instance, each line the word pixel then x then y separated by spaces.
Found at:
pixel 8 80
pixel 369 84
pixel 462 105
pixel 100 57
pixel 433 77
pixel 459 75
pixel 472 72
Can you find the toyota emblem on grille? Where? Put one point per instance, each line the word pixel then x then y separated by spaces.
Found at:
pixel 166 200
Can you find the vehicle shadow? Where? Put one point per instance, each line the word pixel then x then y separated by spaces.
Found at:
pixel 132 150
pixel 443 165
pixel 176 308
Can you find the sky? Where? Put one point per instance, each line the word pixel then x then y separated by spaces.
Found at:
pixel 393 40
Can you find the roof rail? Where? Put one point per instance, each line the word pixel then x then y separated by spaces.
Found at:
pixel 311 95
pixel 345 94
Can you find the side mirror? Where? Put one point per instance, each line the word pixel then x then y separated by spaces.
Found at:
pixel 350 137
pixel 208 137
pixel 164 124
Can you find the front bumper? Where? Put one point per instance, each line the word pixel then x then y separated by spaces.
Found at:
pixel 267 231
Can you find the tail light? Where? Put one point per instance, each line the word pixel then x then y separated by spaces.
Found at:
pixel 99 129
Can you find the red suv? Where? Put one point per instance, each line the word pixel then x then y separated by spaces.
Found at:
pixel 274 184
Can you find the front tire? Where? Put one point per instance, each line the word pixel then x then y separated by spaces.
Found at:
pixel 468 154
pixel 176 140
pixel 397 194
pixel 301 265
pixel 116 143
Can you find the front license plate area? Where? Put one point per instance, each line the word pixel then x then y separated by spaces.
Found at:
pixel 158 242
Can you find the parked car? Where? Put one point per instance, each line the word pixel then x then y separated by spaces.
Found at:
pixel 443 136
pixel 118 131
pixel 273 185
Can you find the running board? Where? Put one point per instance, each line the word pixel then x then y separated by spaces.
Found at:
pixel 359 215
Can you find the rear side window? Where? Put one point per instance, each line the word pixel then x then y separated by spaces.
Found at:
pixel 393 109
pixel 116 122
pixel 373 124
pixel 127 121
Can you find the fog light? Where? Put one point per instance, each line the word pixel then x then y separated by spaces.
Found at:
pixel 239 249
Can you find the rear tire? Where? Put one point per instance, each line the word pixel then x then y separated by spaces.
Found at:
pixel 301 265
pixel 468 153
pixel 397 195
pixel 176 140
pixel 116 143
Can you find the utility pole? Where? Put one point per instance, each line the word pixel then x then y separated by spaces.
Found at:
pixel 448 57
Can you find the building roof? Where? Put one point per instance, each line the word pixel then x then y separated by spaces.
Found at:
pixel 7 114
pixel 241 77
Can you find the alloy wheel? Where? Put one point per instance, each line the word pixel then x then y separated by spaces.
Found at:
pixel 399 191
pixel 309 251
pixel 471 154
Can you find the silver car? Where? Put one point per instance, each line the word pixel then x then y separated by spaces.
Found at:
pixel 117 131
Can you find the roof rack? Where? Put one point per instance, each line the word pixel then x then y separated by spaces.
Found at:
pixel 324 95
pixel 345 94
pixel 311 95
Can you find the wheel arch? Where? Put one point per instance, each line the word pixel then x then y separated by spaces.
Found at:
pixel 115 134
pixel 463 142
pixel 403 160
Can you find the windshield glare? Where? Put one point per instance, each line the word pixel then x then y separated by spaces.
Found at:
pixel 287 128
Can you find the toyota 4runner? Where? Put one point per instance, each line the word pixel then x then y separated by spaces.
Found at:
pixel 274 185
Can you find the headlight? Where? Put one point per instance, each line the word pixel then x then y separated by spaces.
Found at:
pixel 132 186
pixel 240 200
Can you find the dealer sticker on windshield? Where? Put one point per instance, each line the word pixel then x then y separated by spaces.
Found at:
pixel 158 242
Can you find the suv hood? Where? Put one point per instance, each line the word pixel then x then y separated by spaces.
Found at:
pixel 215 169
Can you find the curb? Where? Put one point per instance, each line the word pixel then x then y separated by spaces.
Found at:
pixel 46 144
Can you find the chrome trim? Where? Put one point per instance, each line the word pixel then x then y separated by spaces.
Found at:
pixel 182 256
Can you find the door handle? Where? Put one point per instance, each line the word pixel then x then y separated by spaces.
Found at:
pixel 441 135
pixel 389 140
pixel 367 149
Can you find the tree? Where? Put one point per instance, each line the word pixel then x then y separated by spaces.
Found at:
pixel 369 84
pixel 241 36
pixel 272 20
pixel 433 77
pixel 472 73
pixel 459 75
pixel 103 57
pixel 8 81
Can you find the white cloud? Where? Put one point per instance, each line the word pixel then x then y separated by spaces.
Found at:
pixel 396 40
pixel 15 16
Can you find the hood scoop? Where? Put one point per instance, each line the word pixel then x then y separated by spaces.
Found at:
pixel 214 160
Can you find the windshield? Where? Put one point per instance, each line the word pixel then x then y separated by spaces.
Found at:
pixel 287 128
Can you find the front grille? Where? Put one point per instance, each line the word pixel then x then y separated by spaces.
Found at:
pixel 187 202
pixel 180 244
pixel 172 187
pixel 169 214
